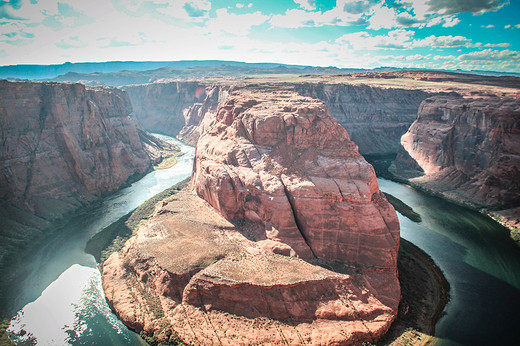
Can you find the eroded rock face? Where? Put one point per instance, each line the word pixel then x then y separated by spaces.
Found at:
pixel 182 109
pixel 62 145
pixel 374 117
pixel 467 148
pixel 281 178
pixel 280 161
pixel 190 274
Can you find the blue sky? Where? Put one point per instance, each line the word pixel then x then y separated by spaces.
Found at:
pixel 451 34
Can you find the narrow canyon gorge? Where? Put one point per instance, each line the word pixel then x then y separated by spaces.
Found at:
pixel 62 147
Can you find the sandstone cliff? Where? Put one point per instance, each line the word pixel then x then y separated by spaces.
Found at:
pixel 375 117
pixel 286 184
pixel 64 144
pixel 281 161
pixel 176 108
pixel 468 148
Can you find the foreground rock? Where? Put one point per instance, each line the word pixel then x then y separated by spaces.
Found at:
pixel 280 161
pixel 300 246
pixel 468 149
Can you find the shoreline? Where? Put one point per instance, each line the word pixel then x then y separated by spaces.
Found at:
pixel 382 167
pixel 424 292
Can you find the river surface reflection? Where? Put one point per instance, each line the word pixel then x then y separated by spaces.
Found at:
pixel 58 298
pixel 479 260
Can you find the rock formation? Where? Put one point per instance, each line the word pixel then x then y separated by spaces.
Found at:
pixel 467 148
pixel 180 109
pixel 291 197
pixel 375 117
pixel 282 161
pixel 64 144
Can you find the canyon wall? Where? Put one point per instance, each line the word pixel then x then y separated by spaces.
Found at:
pixel 62 145
pixel 291 243
pixel 467 148
pixel 176 108
pixel 375 117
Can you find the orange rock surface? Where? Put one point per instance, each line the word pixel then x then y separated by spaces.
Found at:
pixel 280 161
pixel 291 243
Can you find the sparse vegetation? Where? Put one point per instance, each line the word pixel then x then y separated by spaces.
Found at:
pixel 4 338
pixel 113 237
pixel 403 208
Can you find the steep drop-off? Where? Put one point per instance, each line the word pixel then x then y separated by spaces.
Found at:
pixel 467 148
pixel 374 117
pixel 180 109
pixel 285 183
pixel 62 146
pixel 281 161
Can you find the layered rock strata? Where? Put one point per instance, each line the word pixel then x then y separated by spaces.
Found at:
pixel 280 161
pixel 297 245
pixel 62 145
pixel 467 148
pixel 182 109
pixel 375 117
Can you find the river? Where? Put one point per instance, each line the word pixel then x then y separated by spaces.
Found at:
pixel 479 260
pixel 59 299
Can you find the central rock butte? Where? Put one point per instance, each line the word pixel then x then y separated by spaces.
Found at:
pixel 291 243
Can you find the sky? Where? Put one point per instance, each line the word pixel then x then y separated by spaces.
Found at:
pixel 435 34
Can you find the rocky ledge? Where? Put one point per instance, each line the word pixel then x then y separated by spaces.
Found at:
pixel 468 149
pixel 292 242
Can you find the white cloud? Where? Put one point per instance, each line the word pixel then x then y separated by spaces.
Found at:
pixel 445 42
pixel 239 5
pixel 382 17
pixel 501 45
pixel 489 26
pixel 234 24
pixel 308 5
pixel 396 39
pixel 296 18
pixel 450 21
pixel 507 26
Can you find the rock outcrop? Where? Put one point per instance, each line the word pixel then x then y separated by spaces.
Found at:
pixel 375 117
pixel 282 162
pixel 467 148
pixel 180 109
pixel 63 145
pixel 289 196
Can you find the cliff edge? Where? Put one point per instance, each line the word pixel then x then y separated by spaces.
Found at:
pixel 291 242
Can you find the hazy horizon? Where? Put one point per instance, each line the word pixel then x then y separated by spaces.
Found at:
pixel 434 34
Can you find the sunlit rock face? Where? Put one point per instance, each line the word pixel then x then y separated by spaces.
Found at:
pixel 291 243
pixel 467 148
pixel 65 144
pixel 280 161
pixel 375 117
